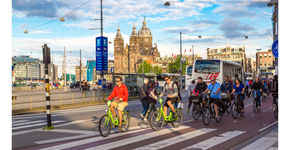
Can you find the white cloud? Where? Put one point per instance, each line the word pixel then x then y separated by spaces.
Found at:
pixel 39 32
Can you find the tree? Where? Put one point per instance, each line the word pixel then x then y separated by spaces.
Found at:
pixel 146 69
pixel 157 70
pixel 174 67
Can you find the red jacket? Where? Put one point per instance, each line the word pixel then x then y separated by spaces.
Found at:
pixel 120 92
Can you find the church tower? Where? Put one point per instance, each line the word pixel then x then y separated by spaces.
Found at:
pixel 118 52
pixel 145 38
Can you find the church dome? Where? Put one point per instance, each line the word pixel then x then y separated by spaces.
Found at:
pixel 118 34
pixel 144 31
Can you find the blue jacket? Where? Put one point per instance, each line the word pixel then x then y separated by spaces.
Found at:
pixel 226 87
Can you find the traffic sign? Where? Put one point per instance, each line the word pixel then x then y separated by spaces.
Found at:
pixel 275 49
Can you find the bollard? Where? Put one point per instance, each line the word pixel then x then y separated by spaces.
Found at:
pixel 73 98
pixel 30 102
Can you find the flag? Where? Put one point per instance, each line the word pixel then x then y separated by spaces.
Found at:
pixel 190 50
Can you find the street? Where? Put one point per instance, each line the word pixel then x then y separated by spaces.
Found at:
pixel 78 129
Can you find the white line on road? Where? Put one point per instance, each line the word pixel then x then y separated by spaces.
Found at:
pixel 136 138
pixel 18 121
pixel 24 123
pixel 38 124
pixel 261 144
pixel 176 139
pixel 215 140
pixel 268 126
pixel 64 138
pixel 72 131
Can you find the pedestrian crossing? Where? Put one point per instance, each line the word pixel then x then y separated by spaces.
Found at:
pixel 157 139
pixel 28 124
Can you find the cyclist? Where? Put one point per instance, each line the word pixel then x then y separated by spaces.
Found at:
pixel 227 88
pixel 170 90
pixel 258 87
pixel 120 93
pixel 215 94
pixel 189 93
pixel 200 87
pixel 240 89
pixel 151 99
pixel 274 88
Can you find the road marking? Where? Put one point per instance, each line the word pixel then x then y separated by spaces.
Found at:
pixel 86 141
pixel 24 123
pixel 261 144
pixel 215 140
pixel 268 126
pixel 176 139
pixel 64 138
pixel 33 125
pixel 33 130
pixel 18 121
pixel 72 131
pixel 136 138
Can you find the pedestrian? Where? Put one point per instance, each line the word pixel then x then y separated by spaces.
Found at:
pixel 143 97
pixel 247 88
pixel 189 93
pixel 151 99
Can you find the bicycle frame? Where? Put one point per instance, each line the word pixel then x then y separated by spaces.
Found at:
pixel 109 113
pixel 166 118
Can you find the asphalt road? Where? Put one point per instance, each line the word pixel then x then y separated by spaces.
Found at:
pixel 78 129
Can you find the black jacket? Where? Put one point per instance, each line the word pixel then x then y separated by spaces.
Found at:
pixel 257 85
pixel 200 87
pixel 142 94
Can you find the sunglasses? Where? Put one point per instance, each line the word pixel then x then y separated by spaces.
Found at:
pixel 117 81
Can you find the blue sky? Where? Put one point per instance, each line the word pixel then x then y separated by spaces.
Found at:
pixel 220 24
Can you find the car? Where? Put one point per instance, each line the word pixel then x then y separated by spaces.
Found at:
pixel 75 84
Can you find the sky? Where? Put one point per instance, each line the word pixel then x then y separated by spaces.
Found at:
pixel 220 23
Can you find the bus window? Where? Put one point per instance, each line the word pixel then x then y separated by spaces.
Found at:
pixel 189 70
pixel 207 66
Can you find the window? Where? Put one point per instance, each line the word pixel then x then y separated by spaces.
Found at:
pixel 261 64
pixel 261 56
pixel 265 64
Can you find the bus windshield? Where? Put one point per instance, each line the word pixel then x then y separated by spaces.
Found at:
pixel 207 66
pixel 189 70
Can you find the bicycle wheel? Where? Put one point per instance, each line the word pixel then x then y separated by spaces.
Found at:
pixel 105 125
pixel 255 106
pixel 276 110
pixel 177 123
pixel 196 111
pixel 234 111
pixel 125 121
pixel 206 116
pixel 240 110
pixel 157 120
pixel 220 115
pixel 228 107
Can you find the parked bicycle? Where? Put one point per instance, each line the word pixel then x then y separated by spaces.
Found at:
pixel 158 119
pixel 209 112
pixel 107 121
pixel 237 106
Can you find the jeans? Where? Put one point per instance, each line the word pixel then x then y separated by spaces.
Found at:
pixel 258 97
pixel 151 107
pixel 189 103
pixel 144 105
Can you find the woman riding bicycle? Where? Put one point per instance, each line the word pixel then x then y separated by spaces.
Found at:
pixel 240 90
pixel 151 99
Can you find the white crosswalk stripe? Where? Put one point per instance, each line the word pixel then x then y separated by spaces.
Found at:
pixel 215 140
pixel 262 143
pixel 25 123
pixel 19 121
pixel 176 139
pixel 34 125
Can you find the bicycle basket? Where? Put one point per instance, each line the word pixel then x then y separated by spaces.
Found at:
pixel 195 99
pixel 224 95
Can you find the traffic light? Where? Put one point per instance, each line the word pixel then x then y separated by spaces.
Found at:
pixel 46 54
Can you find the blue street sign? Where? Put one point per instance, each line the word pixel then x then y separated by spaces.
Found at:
pixel 112 70
pixel 101 54
pixel 275 49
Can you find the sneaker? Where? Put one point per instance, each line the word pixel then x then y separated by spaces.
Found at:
pixel 142 116
pixel 145 119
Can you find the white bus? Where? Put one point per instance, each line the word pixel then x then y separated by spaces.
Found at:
pixel 210 68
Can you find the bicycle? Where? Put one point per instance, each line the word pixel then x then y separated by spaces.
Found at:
pixel 197 108
pixel 255 102
pixel 275 106
pixel 107 121
pixel 236 106
pixel 226 102
pixel 209 112
pixel 158 118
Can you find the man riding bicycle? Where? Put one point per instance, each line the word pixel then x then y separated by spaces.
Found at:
pixel 200 87
pixel 120 93
pixel 227 88
pixel 215 94
pixel 170 90
pixel 258 87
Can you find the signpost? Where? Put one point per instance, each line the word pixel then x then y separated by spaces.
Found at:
pixel 101 55
pixel 275 49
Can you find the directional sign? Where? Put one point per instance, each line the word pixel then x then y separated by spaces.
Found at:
pixel 275 49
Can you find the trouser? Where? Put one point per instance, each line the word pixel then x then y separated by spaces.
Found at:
pixel 151 107
pixel 189 102
pixel 144 105
pixel 247 91
pixel 259 98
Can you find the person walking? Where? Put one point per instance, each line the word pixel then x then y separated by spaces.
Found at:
pixel 189 93
pixel 143 97
pixel 151 99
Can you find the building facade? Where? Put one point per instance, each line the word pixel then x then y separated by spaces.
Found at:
pixel 265 62
pixel 250 65
pixel 228 53
pixel 83 73
pixel 91 65
pixel 138 50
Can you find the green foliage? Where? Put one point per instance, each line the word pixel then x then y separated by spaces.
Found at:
pixel 175 66
pixel 48 128
pixel 148 68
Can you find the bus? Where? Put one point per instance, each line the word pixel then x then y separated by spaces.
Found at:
pixel 211 68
